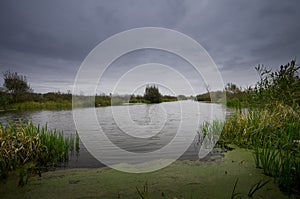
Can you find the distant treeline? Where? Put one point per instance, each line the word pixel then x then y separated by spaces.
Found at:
pixel 57 100
pixel 16 94
pixel 52 100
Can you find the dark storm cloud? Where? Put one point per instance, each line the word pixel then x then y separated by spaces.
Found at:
pixel 47 40
pixel 50 29
pixel 241 34
pixel 70 29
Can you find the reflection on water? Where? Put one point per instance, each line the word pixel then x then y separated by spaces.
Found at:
pixel 135 128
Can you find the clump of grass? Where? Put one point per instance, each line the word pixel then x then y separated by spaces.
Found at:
pixel 269 160
pixel 210 130
pixel 25 147
pixel 273 134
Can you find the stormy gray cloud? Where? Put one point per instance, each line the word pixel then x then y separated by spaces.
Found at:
pixel 48 40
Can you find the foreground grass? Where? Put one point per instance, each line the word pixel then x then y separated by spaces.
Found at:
pixel 182 179
pixel 25 148
pixel 274 136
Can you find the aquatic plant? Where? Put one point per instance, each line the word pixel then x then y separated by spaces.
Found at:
pixel 144 194
pixel 258 127
pixel 274 136
pixel 25 147
pixel 257 186
pixel 77 147
pixel 234 194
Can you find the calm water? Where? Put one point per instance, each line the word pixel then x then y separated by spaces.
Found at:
pixel 134 128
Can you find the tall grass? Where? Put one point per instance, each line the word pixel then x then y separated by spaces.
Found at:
pixel 272 126
pixel 274 136
pixel 26 146
pixel 261 126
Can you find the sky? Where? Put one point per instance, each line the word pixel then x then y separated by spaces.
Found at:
pixel 48 40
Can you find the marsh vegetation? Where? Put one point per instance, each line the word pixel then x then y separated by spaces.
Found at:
pixel 26 149
pixel 266 121
pixel 271 124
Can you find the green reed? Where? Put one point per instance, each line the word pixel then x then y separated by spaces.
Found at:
pixel 29 146
pixel 77 148
pixel 274 136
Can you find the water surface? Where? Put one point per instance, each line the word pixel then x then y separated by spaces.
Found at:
pixel 135 128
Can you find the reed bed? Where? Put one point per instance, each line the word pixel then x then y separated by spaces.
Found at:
pixel 27 147
pixel 274 136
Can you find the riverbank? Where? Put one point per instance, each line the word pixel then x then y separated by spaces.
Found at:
pixel 182 179
pixel 59 101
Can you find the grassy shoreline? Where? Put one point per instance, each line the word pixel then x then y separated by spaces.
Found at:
pixel 58 101
pixel 65 105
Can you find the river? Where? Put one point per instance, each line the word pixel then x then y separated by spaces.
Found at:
pixel 138 128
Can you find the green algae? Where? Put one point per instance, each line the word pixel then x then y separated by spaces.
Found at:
pixel 182 179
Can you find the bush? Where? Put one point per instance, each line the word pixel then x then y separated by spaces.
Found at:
pixel 152 94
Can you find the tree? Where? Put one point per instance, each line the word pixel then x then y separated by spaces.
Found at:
pixel 152 94
pixel 16 84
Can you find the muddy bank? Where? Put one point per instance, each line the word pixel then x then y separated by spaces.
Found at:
pixel 182 179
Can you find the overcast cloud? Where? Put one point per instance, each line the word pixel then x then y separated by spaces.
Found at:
pixel 48 40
